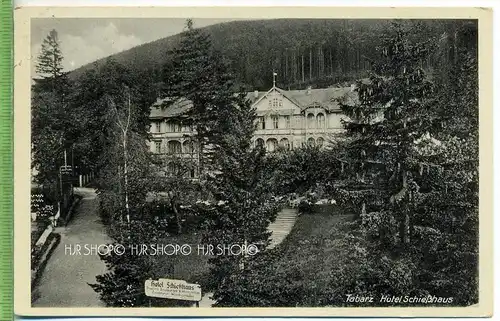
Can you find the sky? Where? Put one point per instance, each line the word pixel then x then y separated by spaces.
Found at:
pixel 84 40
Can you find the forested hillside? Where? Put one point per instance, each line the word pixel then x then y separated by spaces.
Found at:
pixel 302 51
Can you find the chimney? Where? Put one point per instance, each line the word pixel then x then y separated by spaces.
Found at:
pixel 308 91
pixel 256 94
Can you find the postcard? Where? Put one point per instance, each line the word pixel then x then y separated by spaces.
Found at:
pixel 253 161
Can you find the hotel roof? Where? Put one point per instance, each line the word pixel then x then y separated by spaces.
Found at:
pixel 326 98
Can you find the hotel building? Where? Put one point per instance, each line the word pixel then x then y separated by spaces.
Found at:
pixel 286 118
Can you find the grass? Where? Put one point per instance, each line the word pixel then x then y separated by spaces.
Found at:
pixel 311 245
pixel 318 225
pixel 312 266
pixel 311 259
pixel 192 268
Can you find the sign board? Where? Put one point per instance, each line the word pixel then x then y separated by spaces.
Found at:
pixel 173 289
pixel 68 170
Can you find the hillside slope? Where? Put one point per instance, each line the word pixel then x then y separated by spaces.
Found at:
pixel 302 51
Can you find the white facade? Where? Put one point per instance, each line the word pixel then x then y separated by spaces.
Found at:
pixel 281 121
pixel 289 119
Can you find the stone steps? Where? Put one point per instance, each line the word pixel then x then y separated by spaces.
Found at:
pixel 282 226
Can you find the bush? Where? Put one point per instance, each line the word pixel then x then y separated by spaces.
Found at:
pixel 305 207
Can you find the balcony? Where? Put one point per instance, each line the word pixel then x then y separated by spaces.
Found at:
pixel 296 131
pixel 191 156
pixel 182 134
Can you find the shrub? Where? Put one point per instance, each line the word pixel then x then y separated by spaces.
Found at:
pixel 306 207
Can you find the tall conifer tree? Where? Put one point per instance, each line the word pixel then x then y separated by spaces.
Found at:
pixel 51 122
pixel 198 73
pixel 233 169
pixel 49 65
pixel 414 186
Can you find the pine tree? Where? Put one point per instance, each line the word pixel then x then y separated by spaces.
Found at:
pixel 233 171
pixel 198 73
pixel 414 186
pixel 241 190
pixel 384 123
pixel 48 132
pixel 52 123
pixel 448 208
pixel 175 180
pixel 50 65
pixel 390 115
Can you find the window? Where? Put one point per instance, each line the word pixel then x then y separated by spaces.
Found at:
pixel 284 143
pixel 311 121
pixel 287 121
pixel 275 102
pixel 188 147
pixel 155 127
pixel 158 146
pixel 173 127
pixel 170 127
pixel 261 123
pixel 311 142
pixel 320 141
pixel 259 142
pixel 275 122
pixel 173 168
pixel 321 120
pixel 298 121
pixel 174 147
pixel 272 144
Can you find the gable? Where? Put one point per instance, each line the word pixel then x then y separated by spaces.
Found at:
pixel 275 102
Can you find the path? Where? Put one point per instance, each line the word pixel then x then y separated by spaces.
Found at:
pixel 64 281
pixel 280 228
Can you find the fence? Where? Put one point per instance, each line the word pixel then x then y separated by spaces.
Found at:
pixel 85 179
